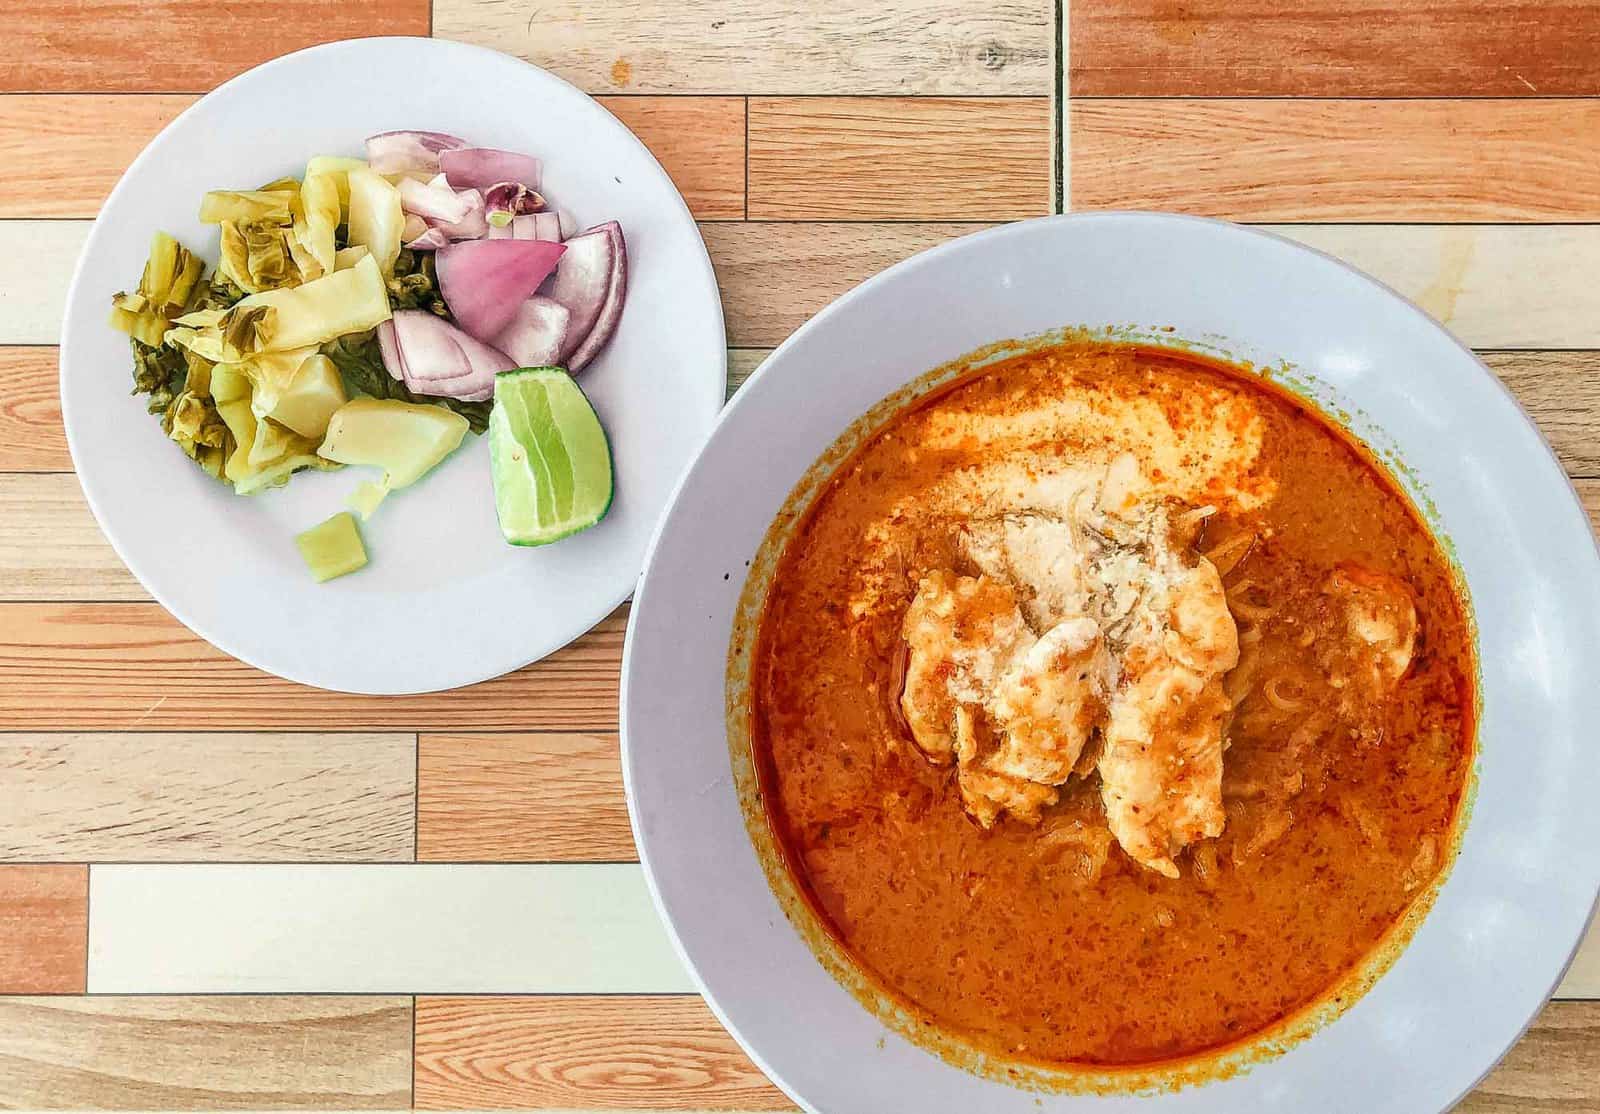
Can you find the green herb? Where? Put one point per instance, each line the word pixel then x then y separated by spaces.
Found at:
pixel 415 285
pixel 360 362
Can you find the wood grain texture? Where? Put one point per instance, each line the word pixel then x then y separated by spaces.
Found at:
pixel 545 797
pixel 127 666
pixel 35 272
pixel 207 798
pixel 638 1053
pixel 76 146
pixel 200 1053
pixel 1583 977
pixel 744 46
pixel 699 141
pixel 51 547
pixel 1555 1067
pixel 742 364
pixel 44 928
pixel 176 46
pixel 775 276
pixel 1561 391
pixel 1345 160
pixel 31 437
pixel 1356 48
pixel 899 158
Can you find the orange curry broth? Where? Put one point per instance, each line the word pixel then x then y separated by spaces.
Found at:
pixel 1013 942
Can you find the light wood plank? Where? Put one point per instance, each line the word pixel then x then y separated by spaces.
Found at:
pixel 220 797
pixel 663 1053
pixel 44 914
pixel 176 46
pixel 1583 977
pixel 76 146
pixel 1496 286
pixel 1561 391
pixel 1356 160
pixel 195 1053
pixel 741 46
pixel 532 797
pixel 699 141
pixel 52 549
pixel 899 158
pixel 1356 48
pixel 127 666
pixel 31 437
pixel 1555 1067
pixel 551 928
pixel 742 364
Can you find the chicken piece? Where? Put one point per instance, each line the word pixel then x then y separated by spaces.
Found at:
pixel 1381 621
pixel 1161 770
pixel 1037 555
pixel 1048 702
pixel 987 795
pixel 961 632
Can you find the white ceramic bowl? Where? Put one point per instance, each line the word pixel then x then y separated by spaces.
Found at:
pixel 445 601
pixel 1511 912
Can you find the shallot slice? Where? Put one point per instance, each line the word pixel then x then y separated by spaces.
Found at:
pixel 535 335
pixel 592 282
pixel 484 281
pixel 481 167
pixel 406 152
pixel 439 204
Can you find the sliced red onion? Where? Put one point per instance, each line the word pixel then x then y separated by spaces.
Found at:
pixel 432 239
pixel 441 360
pixel 405 151
pixel 481 167
pixel 592 282
pixel 484 281
pixel 390 349
pixel 438 204
pixel 473 226
pixel 505 200
pixel 536 333
pixel 547 226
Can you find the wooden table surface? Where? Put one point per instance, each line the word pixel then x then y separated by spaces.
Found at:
pixel 223 890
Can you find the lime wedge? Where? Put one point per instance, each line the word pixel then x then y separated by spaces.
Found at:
pixel 550 458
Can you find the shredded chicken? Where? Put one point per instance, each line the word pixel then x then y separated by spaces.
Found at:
pixel 1096 639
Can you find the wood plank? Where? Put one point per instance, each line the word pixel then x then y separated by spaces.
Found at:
pixel 529 797
pixel 52 549
pixel 31 437
pixel 1555 1067
pixel 195 1053
pixel 699 141
pixel 550 928
pixel 176 46
pixel 739 46
pixel 44 925
pixel 1346 160
pixel 899 158
pixel 661 1053
pixel 218 797
pixel 1583 977
pixel 742 364
pixel 126 666
pixel 76 146
pixel 1356 48
pixel 1561 392
pixel 1496 286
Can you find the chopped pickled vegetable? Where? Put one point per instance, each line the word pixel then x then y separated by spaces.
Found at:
pixel 405 439
pixel 246 206
pixel 332 548
pixel 322 212
pixel 311 398
pixel 365 498
pixel 376 219
pixel 336 168
pixel 349 301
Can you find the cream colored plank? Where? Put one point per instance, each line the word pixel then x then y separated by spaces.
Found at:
pixel 51 548
pixel 746 46
pixel 1583 977
pixel 192 1053
pixel 585 928
pixel 742 364
pixel 1496 286
pixel 186 798
pixel 35 269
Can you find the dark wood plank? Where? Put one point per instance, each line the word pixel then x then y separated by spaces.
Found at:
pixel 1354 48
pixel 31 437
pixel 44 929
pixel 1555 1067
pixel 176 46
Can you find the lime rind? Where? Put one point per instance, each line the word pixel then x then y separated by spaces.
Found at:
pixel 549 456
